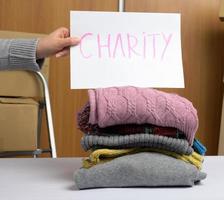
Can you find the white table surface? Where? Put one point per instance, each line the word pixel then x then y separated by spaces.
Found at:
pixel 46 178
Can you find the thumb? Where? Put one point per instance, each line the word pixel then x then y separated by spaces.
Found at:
pixel 69 41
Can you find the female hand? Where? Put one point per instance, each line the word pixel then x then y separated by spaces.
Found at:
pixel 57 43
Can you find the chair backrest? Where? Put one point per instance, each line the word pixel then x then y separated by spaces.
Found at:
pixel 22 83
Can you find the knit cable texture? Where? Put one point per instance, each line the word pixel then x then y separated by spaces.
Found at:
pixel 125 105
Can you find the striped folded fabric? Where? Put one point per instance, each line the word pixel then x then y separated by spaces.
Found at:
pixel 180 146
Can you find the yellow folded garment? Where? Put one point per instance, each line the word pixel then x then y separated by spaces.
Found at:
pixel 104 155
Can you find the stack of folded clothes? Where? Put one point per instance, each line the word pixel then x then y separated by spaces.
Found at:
pixel 139 137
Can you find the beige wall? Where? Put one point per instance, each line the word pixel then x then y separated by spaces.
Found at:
pixel 202 42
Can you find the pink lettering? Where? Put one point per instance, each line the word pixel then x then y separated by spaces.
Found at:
pixel 100 46
pixel 154 43
pixel 126 45
pixel 131 45
pixel 81 42
pixel 118 41
pixel 167 41
pixel 144 45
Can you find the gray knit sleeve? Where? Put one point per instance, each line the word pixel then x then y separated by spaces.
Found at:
pixel 19 54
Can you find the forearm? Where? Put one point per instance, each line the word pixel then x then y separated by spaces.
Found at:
pixel 19 54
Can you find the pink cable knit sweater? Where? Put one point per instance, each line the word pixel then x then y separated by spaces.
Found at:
pixel 128 105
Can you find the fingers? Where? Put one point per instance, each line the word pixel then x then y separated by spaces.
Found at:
pixel 57 43
pixel 66 43
pixel 66 33
pixel 61 33
pixel 62 53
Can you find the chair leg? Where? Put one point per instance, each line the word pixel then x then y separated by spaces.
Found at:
pixel 49 115
pixel 40 113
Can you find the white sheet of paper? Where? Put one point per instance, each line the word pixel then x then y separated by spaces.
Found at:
pixel 126 49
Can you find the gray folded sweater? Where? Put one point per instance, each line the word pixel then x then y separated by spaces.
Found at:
pixel 180 146
pixel 146 169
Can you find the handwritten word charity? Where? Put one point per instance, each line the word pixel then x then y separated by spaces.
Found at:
pixel 125 45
